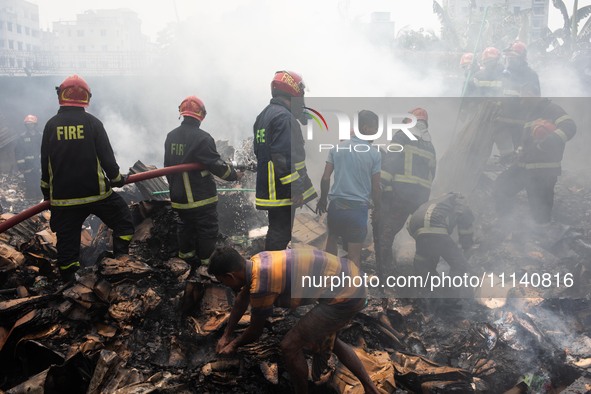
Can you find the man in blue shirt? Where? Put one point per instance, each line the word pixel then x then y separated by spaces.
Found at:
pixel 356 165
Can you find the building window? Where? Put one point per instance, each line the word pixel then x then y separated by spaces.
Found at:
pixel 516 9
pixel 538 10
pixel 27 31
pixel 80 33
pixel 9 26
pixel 19 45
pixel 1 43
pixel 10 44
pixel 81 48
pixel 29 47
pixel 35 33
pixel 18 29
pixel 536 22
pixel 1 25
pixel 103 32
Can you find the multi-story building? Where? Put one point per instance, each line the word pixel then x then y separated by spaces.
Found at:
pixel 536 12
pixel 20 36
pixel 99 41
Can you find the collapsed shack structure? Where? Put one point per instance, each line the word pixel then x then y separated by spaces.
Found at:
pixel 120 327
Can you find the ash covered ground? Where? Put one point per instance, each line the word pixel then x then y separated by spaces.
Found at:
pixel 133 325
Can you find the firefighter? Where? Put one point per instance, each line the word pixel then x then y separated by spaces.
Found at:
pixel 406 179
pixel 487 82
pixel 518 77
pixel 28 157
pixel 356 182
pixel 267 280
pixel 193 194
pixel 468 65
pixel 432 225
pixel 78 170
pixel 546 131
pixel 282 183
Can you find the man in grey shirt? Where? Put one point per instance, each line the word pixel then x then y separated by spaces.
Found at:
pixel 356 165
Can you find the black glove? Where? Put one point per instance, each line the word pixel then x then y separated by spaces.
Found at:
pixel 120 182
pixel 45 191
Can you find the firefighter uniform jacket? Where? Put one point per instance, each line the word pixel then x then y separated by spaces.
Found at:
pixel 487 82
pixel 27 151
pixel 77 160
pixel 441 215
pixel 409 174
pixel 545 154
pixel 281 158
pixel 521 81
pixel 189 144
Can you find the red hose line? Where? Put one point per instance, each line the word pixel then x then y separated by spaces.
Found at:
pixel 142 176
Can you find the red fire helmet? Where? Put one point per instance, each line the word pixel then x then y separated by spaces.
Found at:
pixel 193 107
pixel 517 49
pixel 490 54
pixel 287 83
pixel 466 59
pixel 30 119
pixel 74 92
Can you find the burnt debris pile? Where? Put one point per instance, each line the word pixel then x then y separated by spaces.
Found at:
pixel 141 323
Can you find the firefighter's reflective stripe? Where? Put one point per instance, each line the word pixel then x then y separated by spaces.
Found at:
pixel 100 177
pixel 117 178
pixel 273 203
pixel 309 193
pixel 466 231
pixel 79 201
pixel 511 93
pixel 227 173
pixel 195 204
pixel 44 184
pixel 387 179
pixel 187 186
pixel 431 230
pixel 428 213
pixel 187 255
pixel 127 237
pixel 289 178
pixel 300 165
pixel 408 177
pixel 67 266
pixel 488 84
pixel 541 165
pixel 50 171
pixel 562 135
pixel 562 119
pixel 271 181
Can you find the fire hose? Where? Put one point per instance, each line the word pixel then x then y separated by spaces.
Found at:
pixel 133 178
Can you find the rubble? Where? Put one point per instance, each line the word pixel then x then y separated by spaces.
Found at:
pixel 140 323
